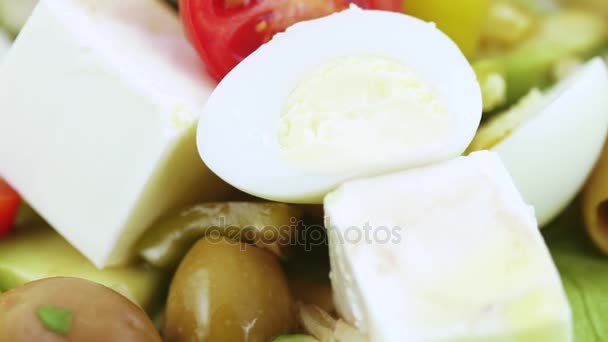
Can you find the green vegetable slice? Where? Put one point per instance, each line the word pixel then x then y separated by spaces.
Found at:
pixel 55 319
pixel 565 34
pixel 584 273
pixel 500 126
pixel 490 73
pixel 266 225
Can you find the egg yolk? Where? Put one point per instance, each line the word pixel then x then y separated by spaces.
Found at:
pixel 360 112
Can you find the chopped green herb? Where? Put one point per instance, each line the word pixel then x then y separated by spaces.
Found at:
pixel 56 319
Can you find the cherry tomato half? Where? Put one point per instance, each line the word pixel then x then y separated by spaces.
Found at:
pixel 387 5
pixel 224 32
pixel 9 203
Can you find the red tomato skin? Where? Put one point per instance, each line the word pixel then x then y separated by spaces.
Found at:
pixel 188 21
pixel 9 204
pixel 224 32
pixel 387 5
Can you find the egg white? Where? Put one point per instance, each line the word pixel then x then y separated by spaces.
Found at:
pixel 552 154
pixel 237 129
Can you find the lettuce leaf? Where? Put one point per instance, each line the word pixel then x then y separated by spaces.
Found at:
pixel 584 273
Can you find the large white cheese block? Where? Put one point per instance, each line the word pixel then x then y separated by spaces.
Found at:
pixel 98 108
pixel 5 44
pixel 444 253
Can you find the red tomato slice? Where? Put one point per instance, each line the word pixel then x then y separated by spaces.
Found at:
pixel 9 203
pixel 224 32
pixel 387 5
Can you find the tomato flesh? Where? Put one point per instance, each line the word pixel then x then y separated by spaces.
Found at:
pixel 224 32
pixel 230 4
pixel 9 204
pixel 387 5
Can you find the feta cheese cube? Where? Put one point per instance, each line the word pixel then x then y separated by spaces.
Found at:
pixel 444 253
pixel 99 101
pixel 5 44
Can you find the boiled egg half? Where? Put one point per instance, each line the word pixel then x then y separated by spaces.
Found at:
pixel 357 93
pixel 550 141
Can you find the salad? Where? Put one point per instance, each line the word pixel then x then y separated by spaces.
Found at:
pixel 303 170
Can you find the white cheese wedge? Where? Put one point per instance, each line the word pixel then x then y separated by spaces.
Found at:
pixel 99 100
pixel 444 253
pixel 5 44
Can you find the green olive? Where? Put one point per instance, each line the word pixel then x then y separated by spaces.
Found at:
pixel 71 309
pixel 225 290
pixel 262 224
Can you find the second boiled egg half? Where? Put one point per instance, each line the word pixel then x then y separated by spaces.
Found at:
pixel 353 94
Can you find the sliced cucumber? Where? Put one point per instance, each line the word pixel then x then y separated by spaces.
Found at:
pixel 566 34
